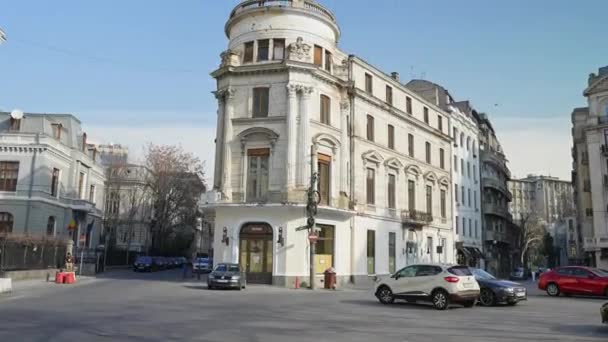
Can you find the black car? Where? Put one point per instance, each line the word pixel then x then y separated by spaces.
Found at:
pixel 497 291
pixel 143 264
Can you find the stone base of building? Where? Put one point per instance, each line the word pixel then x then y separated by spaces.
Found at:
pixel 290 281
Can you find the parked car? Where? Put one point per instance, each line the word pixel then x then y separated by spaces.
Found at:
pixel 143 264
pixel 439 284
pixel 574 280
pixel 497 291
pixel 202 265
pixel 604 313
pixel 160 263
pixel 226 276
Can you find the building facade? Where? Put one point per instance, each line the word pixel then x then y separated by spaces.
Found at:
pixel 291 103
pixel 499 234
pixel 50 179
pixel 465 171
pixel 590 168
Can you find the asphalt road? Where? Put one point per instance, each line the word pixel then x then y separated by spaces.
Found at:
pixel 123 306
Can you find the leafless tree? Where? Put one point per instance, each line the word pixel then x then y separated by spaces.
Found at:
pixel 176 180
pixel 531 231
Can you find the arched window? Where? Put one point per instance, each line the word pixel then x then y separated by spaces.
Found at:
pixel 468 143
pixel 6 222
pixel 50 226
pixel 461 139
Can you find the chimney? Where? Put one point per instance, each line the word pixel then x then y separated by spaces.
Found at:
pixel 395 76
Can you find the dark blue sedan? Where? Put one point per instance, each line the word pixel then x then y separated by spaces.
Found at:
pixel 497 291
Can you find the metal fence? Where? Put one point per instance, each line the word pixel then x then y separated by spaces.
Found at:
pixel 16 256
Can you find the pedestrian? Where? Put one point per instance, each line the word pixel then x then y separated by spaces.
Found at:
pixel 184 270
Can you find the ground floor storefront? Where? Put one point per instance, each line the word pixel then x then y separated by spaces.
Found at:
pixel 272 244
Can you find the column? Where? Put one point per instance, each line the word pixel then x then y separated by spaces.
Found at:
pixel 226 186
pixel 292 112
pixel 344 143
pixel 219 140
pixel 304 139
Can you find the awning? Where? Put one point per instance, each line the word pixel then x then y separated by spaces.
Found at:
pixel 480 253
pixel 464 251
pixel 475 252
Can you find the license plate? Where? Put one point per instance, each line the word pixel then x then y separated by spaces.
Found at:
pixel 467 285
pixel 222 281
pixel 521 294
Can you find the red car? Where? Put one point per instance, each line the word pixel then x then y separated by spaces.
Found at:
pixel 575 280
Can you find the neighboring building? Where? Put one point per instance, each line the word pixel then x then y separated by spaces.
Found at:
pixel 499 233
pixel 113 154
pixel 50 180
pixel 465 171
pixel 590 174
pixel 290 100
pixel 548 200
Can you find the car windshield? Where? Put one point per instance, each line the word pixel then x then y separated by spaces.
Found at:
pixel 202 260
pixel 144 259
pixel 482 275
pixel 227 268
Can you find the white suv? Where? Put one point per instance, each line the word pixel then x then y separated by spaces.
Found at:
pixel 439 284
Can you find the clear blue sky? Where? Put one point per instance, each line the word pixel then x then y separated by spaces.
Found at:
pixel 146 63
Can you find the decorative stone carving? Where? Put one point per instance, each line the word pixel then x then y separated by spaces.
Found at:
pixel 225 94
pixel 305 90
pixel 299 50
pixel 229 58
pixel 344 106
pixel 292 90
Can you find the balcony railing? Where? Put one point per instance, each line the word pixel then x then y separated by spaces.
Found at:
pixel 497 159
pixel 496 184
pixel 497 210
pixel 593 243
pixel 416 218
pixel 304 4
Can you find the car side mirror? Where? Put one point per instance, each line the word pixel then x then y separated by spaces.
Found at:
pixel 396 276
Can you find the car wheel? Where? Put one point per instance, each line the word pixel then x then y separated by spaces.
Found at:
pixel 440 300
pixel 469 304
pixel 487 297
pixel 209 287
pixel 385 295
pixel 553 290
pixel 606 292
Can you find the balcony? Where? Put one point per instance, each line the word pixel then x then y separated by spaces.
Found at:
pixel 595 243
pixel 499 237
pixel 307 5
pixel 498 159
pixel 415 218
pixel 498 185
pixel 494 209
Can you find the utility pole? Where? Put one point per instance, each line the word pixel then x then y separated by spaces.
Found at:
pixel 311 210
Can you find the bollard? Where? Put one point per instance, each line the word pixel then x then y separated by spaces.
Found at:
pixel 297 283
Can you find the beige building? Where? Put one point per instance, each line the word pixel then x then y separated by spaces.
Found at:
pixel 291 102
pixel 590 168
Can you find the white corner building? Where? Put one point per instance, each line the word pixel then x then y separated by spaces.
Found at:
pixel 289 99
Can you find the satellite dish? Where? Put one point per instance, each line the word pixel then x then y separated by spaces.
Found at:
pixel 17 114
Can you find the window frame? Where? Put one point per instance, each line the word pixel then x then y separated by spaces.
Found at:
pixel 9 175
pixel 7 222
pixel 261 97
pixel 442 158
pixel 327 60
pixel 429 200
pixel 408 105
pixel 325 103
pixel 391 136
pixel 369 83
pixel 411 195
pixel 371 252
pixel 410 145
pixel 428 157
pixel 262 48
pixel 324 161
pixel 318 56
pixel 443 203
pixel 248 55
pixel 389 95
pixel 260 192
pixel 50 228
pixel 370 126
pixel 392 191
pixel 280 46
pixel 426 115
pixel 370 186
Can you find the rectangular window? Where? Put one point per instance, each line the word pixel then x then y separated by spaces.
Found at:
pixel 462 165
pixel 81 185
pixel 462 194
pixel 369 83
pixel 324 167
pixel 15 125
pixel 464 226
pixel 456 193
pixel 389 95
pixel 411 195
pixel 469 195
pixel 455 164
pixel 263 49
pixel 370 128
pixel 54 182
pixel 371 252
pixel 391 192
pixel 248 54
pixel 9 173
pixel 429 246
pixel 257 174
pixel 470 228
pixel 391 137
pixel 410 145
pixel 469 169
pixel 475 198
pixel 92 194
pixel 440 123
pixel 443 205
pixel 429 200
pixel 318 56
pixel 442 158
pixel 324 251
pixel 392 252
pixel 457 224
pixel 476 230
pixel 426 115
pixel 371 186
pixel 278 48
pixel 260 102
pixel 327 61
pixel 325 110
pixel 408 104
pixel 428 152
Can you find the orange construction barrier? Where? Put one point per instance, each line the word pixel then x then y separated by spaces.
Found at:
pixel 59 276
pixel 69 278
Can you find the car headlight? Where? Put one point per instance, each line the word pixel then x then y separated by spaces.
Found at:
pixel 236 277
pixel 211 276
pixel 509 290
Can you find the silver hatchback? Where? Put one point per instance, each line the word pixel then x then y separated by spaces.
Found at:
pixel 226 276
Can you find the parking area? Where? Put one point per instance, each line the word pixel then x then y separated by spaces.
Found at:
pixel 164 307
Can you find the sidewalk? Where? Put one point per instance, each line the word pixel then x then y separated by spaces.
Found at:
pixel 40 287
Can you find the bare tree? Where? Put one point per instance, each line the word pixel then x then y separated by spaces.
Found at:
pixel 176 180
pixel 531 231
